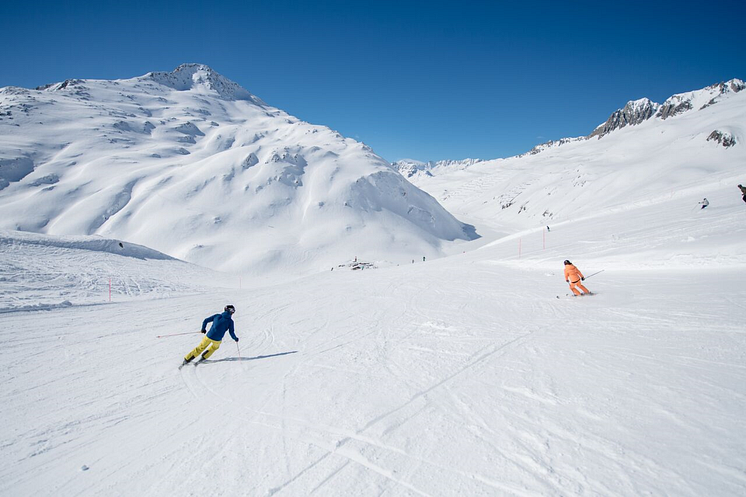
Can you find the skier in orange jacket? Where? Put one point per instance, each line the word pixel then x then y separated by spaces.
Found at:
pixel 573 276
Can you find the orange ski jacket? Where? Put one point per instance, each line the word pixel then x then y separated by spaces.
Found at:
pixel 572 273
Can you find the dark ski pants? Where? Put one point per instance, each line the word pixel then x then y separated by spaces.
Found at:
pixel 577 284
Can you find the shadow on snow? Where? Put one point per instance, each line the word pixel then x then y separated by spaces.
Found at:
pixel 233 359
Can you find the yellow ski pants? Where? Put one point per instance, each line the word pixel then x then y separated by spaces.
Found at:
pixel 206 343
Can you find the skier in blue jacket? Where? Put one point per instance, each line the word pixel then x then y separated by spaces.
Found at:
pixel 220 324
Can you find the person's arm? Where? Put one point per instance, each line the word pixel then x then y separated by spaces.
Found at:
pixel 232 332
pixel 208 320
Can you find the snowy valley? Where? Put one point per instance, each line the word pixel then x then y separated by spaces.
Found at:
pixel 469 372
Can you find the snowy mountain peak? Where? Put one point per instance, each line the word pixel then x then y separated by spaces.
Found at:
pixel 638 111
pixel 733 86
pixel 201 77
pixel 699 99
pixel 68 83
pixel 635 112
pixel 160 160
pixel 411 167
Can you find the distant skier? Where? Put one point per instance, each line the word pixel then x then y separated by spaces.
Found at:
pixel 573 276
pixel 743 192
pixel 704 203
pixel 220 324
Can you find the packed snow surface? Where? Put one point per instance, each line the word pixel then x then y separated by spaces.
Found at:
pixel 33 278
pixel 472 374
pixel 461 376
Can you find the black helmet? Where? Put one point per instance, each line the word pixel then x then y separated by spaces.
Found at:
pixel 230 308
pixel 567 262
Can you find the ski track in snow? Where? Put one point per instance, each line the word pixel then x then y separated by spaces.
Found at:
pixel 428 379
pixel 463 375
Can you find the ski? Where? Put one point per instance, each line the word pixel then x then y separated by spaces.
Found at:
pixel 195 363
pixel 571 296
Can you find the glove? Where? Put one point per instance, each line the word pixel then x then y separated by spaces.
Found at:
pixel 203 331
pixel 236 339
pixel 567 281
pixel 582 279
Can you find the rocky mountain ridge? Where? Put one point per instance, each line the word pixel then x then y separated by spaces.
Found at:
pixel 636 112
pixel 410 168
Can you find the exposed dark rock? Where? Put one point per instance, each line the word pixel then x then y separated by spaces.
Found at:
pixel 673 109
pixel 633 113
pixel 725 139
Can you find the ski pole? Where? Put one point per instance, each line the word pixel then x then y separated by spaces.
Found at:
pixel 239 351
pixel 594 274
pixel 177 334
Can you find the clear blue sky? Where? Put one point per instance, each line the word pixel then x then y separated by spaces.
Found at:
pixel 427 80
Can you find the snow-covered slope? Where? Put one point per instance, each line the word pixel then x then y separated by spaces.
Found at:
pixel 460 376
pixel 191 164
pixel 43 272
pixel 636 160
pixel 410 167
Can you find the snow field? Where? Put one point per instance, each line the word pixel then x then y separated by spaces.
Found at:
pixel 460 376
pixel 43 272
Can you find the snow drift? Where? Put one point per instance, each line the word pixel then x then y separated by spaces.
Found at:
pixel 44 272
